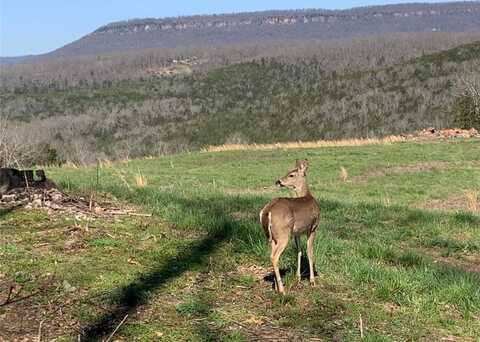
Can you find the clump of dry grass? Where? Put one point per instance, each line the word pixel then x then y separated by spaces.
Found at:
pixel 122 177
pixel 306 144
pixel 104 163
pixel 343 174
pixel 140 180
pixel 386 201
pixel 472 197
pixel 69 165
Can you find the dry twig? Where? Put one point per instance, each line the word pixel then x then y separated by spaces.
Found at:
pixel 116 329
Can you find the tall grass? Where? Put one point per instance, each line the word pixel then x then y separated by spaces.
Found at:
pixel 306 144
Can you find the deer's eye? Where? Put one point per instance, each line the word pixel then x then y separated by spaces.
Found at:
pixel 290 176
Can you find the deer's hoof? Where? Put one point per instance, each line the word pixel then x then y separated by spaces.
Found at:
pixel 312 283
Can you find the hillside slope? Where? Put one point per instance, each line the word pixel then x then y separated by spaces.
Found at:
pixel 259 101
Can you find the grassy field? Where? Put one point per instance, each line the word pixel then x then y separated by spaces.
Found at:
pixel 397 252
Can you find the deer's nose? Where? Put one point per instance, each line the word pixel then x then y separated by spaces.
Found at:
pixel 278 183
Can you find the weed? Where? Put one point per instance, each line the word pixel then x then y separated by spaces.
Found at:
pixel 343 174
pixel 472 198
pixel 193 306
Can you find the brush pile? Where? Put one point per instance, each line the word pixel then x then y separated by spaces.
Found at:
pixel 447 133
pixel 31 189
pixel 46 196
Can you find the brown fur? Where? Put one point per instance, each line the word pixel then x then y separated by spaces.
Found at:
pixel 283 217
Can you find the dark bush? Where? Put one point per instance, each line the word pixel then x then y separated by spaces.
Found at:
pixel 467 106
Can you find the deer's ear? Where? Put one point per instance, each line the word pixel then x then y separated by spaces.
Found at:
pixel 302 165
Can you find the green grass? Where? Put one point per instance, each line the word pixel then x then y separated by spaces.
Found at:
pixel 389 248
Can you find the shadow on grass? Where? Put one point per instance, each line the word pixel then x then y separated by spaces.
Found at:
pixel 215 216
pixel 220 227
pixel 4 212
pixel 304 272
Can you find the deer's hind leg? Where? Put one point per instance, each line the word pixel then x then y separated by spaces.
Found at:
pixel 299 257
pixel 277 249
pixel 310 241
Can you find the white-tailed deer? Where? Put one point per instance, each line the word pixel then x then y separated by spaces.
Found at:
pixel 283 217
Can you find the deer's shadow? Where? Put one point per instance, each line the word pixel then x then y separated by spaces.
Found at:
pixel 287 271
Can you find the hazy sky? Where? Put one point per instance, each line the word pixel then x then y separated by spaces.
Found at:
pixel 38 26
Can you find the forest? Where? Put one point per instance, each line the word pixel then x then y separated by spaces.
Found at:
pixel 162 101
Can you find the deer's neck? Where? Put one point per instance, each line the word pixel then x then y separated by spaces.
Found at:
pixel 303 190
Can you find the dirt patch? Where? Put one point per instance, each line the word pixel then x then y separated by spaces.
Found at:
pixel 430 166
pixel 256 271
pixel 454 203
pixel 23 317
pixel 256 330
pixel 400 169
pixel 466 261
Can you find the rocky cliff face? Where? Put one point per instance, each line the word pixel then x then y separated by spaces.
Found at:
pixel 200 31
pixel 300 17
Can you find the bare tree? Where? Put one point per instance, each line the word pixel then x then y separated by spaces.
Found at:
pixel 467 105
pixel 8 145
pixel 18 146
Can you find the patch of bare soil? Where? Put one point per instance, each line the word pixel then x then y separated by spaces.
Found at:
pixel 430 166
pixel 453 203
pixel 400 169
pixel 23 317
pixel 466 262
pixel 256 271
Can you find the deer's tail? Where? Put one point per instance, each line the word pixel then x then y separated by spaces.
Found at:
pixel 266 219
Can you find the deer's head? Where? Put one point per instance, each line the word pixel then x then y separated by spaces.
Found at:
pixel 296 178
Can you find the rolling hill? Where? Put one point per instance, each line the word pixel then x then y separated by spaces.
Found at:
pixel 154 86
pixel 257 101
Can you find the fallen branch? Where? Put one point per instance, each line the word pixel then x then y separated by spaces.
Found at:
pixel 361 326
pixel 39 335
pixel 10 290
pixel 139 214
pixel 116 329
pixel 10 301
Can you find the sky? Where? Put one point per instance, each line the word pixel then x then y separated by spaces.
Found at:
pixel 39 26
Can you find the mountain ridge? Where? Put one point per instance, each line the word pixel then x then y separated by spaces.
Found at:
pixel 393 10
pixel 218 29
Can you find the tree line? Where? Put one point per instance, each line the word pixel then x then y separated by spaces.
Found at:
pixel 261 100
